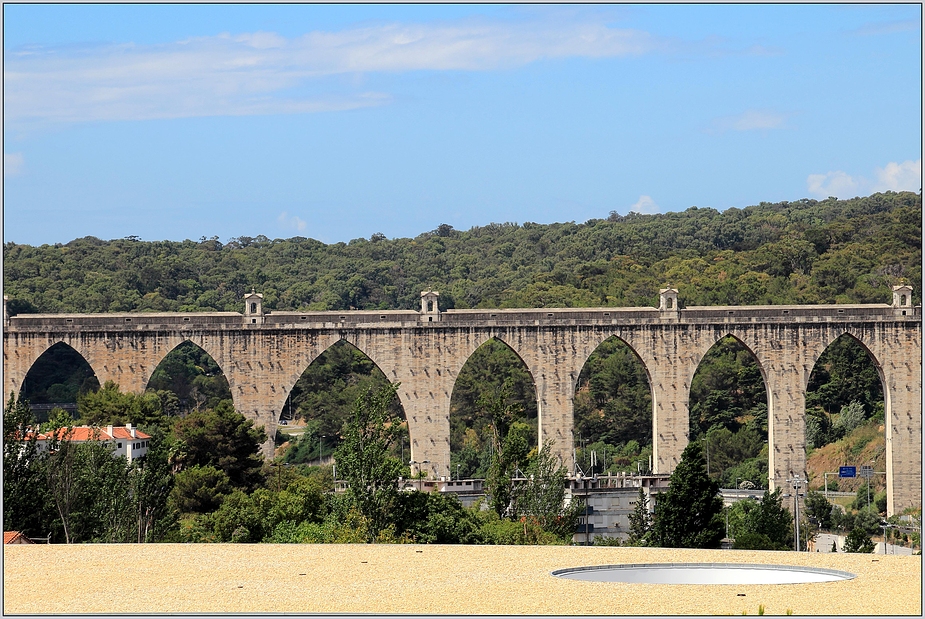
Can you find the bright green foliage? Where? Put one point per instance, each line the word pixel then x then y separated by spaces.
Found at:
pixel 859 541
pixel 850 417
pixel 687 515
pixel 224 439
pixel 364 459
pixel 502 531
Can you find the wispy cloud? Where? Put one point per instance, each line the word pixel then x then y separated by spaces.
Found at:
pixel 290 222
pixel 12 164
pixel 645 205
pixel 750 120
pixel 256 73
pixel 905 176
pixel 890 27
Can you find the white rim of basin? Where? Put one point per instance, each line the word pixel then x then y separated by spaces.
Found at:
pixel 703 574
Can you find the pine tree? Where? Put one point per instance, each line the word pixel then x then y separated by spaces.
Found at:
pixel 687 515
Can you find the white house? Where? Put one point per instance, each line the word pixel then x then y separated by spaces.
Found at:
pixel 127 441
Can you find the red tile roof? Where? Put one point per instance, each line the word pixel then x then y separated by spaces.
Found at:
pixel 15 537
pixel 86 433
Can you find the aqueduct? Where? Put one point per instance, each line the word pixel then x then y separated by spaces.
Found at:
pixel 262 354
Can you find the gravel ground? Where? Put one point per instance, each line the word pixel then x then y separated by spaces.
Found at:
pixel 349 578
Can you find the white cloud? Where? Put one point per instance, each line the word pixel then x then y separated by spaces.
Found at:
pixel 905 176
pixel 293 223
pixel 838 184
pixel 750 120
pixel 645 205
pixel 12 164
pixel 254 73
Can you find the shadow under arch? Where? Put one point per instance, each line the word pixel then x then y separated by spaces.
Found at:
pixel 494 367
pixel 613 423
pixel 322 398
pixel 845 391
pixel 56 378
pixel 728 404
pixel 193 375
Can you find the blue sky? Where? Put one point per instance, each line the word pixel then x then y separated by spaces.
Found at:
pixel 335 122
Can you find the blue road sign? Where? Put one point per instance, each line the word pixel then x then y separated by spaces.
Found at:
pixel 847 471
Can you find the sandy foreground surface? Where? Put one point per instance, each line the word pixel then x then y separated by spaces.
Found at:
pixel 338 578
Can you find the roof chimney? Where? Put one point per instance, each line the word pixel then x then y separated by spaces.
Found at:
pixel 130 429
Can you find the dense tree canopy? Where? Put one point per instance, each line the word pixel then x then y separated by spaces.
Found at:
pixel 789 252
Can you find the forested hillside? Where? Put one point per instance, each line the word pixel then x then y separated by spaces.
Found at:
pixel 831 251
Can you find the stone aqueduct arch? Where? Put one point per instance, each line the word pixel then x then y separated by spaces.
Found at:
pixel 263 354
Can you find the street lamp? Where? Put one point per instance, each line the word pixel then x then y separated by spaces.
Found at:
pixel 796 482
pixel 457 472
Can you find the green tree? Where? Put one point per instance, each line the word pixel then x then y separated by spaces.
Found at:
pixel 541 497
pixel 199 489
pixel 224 439
pixel 688 514
pixel 510 450
pixel 859 541
pixel 23 481
pixel 364 458
pixel 640 520
pixel 765 525
pixel 61 472
pixel 151 482
pixel 819 509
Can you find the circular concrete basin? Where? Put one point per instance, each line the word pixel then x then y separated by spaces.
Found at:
pixel 703 574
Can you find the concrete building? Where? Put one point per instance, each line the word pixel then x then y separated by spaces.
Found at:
pixel 610 500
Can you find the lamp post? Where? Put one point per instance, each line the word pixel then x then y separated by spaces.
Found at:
pixel 457 472
pixel 796 482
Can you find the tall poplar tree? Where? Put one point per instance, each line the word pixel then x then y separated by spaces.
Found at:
pixel 364 458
